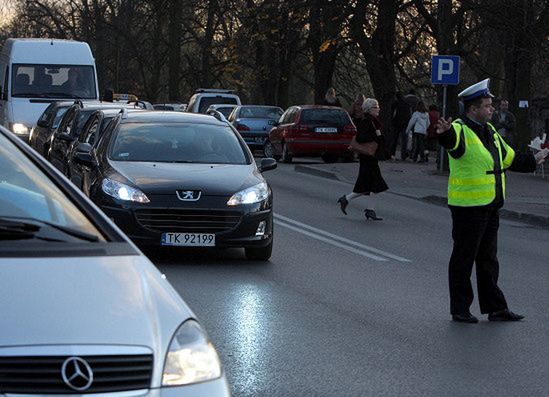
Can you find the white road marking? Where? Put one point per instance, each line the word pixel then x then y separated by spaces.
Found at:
pixel 336 240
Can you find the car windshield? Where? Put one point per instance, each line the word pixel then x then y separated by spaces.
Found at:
pixel 53 81
pixel 179 143
pixel 263 112
pixel 324 116
pixel 26 193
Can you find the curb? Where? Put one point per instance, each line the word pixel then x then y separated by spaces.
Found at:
pixel 538 220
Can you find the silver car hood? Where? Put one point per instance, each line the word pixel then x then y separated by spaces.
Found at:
pixel 114 300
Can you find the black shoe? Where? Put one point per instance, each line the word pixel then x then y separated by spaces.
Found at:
pixel 504 315
pixel 371 214
pixel 343 203
pixel 465 318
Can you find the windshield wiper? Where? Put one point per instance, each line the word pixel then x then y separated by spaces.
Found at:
pixel 21 229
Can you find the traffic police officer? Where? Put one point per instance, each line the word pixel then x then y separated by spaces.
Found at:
pixel 478 158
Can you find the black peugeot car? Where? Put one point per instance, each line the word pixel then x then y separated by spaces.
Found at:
pixel 180 180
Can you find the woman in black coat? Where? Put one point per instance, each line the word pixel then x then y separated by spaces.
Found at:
pixel 369 179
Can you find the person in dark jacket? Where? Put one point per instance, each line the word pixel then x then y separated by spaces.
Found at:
pixel 369 180
pixel 478 157
pixel 401 113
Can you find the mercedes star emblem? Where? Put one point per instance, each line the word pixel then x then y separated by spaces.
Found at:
pixel 77 373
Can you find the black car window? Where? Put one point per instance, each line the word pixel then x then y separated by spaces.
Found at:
pixel 47 116
pixel 177 142
pixel 206 101
pixel 261 112
pixel 324 117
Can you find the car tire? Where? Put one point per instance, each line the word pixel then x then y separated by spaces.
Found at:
pixel 286 156
pixel 259 253
pixel 268 151
pixel 329 158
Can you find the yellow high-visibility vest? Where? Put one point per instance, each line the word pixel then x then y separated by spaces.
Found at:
pixel 472 180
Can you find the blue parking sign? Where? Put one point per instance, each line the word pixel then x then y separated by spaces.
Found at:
pixel 445 69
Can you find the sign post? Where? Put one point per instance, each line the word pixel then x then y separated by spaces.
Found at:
pixel 444 71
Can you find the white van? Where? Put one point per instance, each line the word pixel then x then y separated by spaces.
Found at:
pixel 204 97
pixel 36 72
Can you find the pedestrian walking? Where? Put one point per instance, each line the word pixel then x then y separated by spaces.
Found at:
pixel 401 113
pixel 478 158
pixel 356 112
pixel 504 121
pixel 417 126
pixel 369 180
pixel 432 136
pixel 331 99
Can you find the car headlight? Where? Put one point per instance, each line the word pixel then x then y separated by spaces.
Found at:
pixel 191 357
pixel 254 194
pixel 123 192
pixel 19 128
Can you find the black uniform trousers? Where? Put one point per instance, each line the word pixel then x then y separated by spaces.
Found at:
pixel 475 234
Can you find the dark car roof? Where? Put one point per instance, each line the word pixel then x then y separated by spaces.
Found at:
pixel 171 117
pixel 317 107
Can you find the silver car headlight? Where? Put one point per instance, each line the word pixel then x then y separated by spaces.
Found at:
pixel 123 192
pixel 254 194
pixel 191 357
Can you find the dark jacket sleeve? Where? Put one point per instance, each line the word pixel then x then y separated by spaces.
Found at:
pixel 448 141
pixel 523 162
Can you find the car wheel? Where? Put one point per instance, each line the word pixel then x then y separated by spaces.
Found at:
pixel 259 253
pixel 286 156
pixel 329 158
pixel 268 151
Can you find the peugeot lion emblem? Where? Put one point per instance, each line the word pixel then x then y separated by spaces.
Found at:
pixel 188 195
pixel 77 373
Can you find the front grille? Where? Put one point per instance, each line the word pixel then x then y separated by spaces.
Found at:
pixel 43 374
pixel 187 221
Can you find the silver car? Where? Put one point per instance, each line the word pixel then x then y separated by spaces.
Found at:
pixel 82 309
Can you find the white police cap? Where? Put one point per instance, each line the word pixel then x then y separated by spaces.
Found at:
pixel 478 90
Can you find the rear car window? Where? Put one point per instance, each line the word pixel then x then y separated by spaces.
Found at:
pixel 324 117
pixel 261 112
pixel 206 101
pixel 178 143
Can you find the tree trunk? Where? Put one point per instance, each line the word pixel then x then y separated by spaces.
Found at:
pixel 174 50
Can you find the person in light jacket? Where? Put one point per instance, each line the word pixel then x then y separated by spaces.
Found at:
pixel 417 126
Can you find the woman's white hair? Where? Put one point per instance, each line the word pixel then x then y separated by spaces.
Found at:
pixel 368 104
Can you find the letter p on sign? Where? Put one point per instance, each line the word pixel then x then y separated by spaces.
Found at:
pixel 445 69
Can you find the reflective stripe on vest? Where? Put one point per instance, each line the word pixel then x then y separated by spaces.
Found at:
pixel 472 180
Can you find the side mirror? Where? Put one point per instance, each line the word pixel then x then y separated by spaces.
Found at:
pixel 83 148
pixel 85 159
pixel 267 164
pixel 65 137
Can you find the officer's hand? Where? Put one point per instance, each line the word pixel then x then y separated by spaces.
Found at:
pixel 443 125
pixel 541 155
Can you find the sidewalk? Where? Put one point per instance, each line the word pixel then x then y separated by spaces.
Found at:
pixel 527 196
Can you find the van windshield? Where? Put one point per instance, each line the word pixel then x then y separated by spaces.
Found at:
pixel 53 81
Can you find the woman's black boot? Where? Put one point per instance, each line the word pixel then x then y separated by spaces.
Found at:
pixel 343 203
pixel 371 214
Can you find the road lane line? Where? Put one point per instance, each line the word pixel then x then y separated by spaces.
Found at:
pixel 341 239
pixel 329 241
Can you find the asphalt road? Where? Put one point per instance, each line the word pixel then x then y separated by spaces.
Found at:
pixel 349 307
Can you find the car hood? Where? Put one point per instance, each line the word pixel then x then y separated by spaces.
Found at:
pixel 211 179
pixel 115 300
pixel 27 112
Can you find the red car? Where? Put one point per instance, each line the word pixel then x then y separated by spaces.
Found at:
pixel 311 130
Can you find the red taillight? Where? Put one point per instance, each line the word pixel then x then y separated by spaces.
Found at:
pixel 349 129
pixel 242 127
